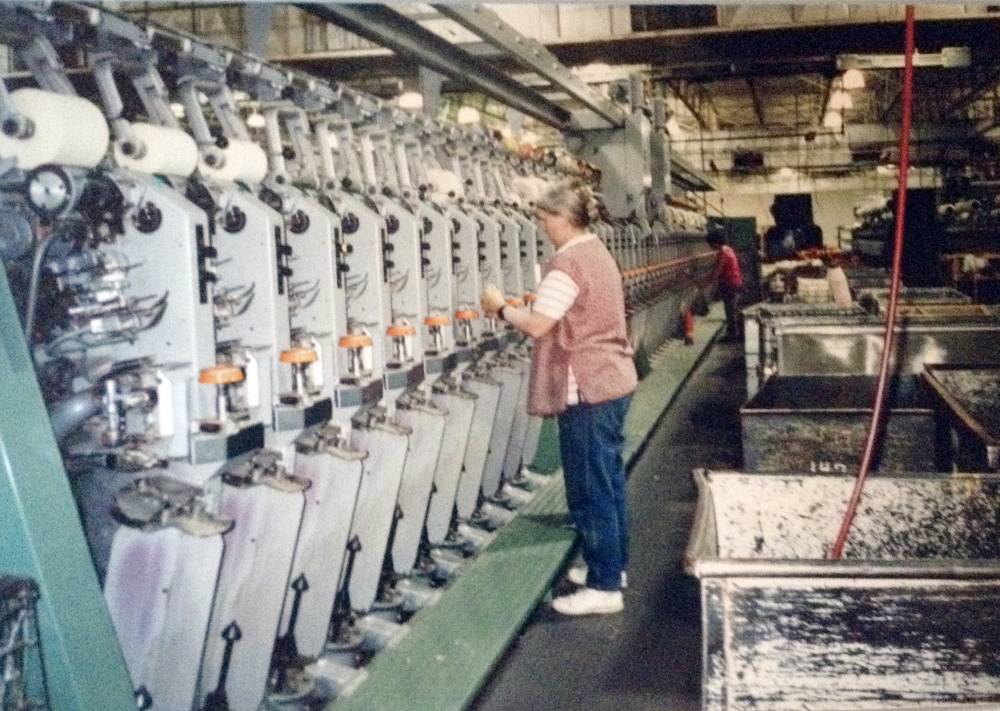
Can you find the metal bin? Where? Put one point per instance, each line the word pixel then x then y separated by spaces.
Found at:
pixel 852 344
pixel 970 398
pixel 905 620
pixel 818 424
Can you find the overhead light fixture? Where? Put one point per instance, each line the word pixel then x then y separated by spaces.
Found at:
pixel 840 100
pixel 786 172
pixel 833 120
pixel 467 115
pixel 853 79
pixel 410 100
pixel 596 68
pixel 948 57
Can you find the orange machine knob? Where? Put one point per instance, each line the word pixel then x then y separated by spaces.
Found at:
pixel 221 375
pixel 530 298
pixel 355 340
pixel 299 356
pixel 400 331
pixel 467 315
pixel 437 321
pixel 515 302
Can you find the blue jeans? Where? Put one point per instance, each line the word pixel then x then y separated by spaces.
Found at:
pixel 591 442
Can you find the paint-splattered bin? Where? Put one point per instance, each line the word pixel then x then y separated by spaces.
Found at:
pixel 818 424
pixel 970 397
pixel 907 619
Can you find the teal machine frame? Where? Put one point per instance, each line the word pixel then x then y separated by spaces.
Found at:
pixel 41 537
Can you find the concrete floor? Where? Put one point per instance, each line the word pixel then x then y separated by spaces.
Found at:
pixel 649 657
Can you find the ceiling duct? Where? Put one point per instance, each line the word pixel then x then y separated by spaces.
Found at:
pixel 948 58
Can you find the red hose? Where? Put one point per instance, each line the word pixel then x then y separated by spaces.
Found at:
pixel 890 318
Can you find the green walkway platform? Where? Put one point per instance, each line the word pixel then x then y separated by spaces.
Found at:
pixel 452 646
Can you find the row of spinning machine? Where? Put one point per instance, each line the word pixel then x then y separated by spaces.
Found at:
pixel 263 358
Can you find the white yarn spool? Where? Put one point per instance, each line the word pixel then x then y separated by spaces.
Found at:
pixel 68 131
pixel 527 188
pixel 169 151
pixel 242 160
pixel 444 184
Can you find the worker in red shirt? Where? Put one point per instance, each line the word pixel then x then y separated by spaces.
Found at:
pixel 728 279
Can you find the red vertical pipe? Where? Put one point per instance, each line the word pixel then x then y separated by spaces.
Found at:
pixel 890 318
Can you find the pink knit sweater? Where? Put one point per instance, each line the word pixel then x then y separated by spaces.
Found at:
pixel 591 337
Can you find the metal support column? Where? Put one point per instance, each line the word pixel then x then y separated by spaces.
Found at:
pixel 430 89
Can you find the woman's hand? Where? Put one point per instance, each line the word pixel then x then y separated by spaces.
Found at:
pixel 492 300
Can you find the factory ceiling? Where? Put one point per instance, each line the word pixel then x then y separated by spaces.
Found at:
pixel 750 77
pixel 752 72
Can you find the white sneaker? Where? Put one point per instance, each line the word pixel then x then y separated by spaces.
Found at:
pixel 588 601
pixel 578 576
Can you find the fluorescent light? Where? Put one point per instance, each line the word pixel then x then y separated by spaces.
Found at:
pixel 853 79
pixel 833 120
pixel 467 115
pixel 952 57
pixel 412 100
pixel 596 67
pixel 786 172
pixel 840 100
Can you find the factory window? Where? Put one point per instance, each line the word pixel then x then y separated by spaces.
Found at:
pixel 647 18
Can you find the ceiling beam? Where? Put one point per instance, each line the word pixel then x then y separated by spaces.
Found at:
pixel 728 69
pixel 490 27
pixel 714 53
pixel 696 99
pixel 385 26
pixel 771 47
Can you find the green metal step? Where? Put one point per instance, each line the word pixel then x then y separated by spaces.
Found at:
pixel 453 646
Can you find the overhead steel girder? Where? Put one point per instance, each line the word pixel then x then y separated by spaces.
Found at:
pixel 491 28
pixel 388 28
pixel 758 105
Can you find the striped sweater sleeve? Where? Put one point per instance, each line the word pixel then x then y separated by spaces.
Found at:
pixel 556 295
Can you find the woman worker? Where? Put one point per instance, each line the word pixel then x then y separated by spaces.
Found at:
pixel 582 371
